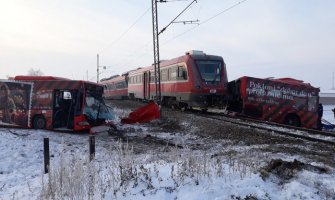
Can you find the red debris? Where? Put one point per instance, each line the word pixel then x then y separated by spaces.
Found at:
pixel 143 114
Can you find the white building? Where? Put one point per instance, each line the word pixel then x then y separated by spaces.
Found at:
pixel 327 97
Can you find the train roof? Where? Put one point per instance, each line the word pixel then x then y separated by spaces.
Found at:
pixel 114 79
pixel 193 54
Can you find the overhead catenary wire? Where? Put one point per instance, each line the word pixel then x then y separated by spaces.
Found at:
pixel 177 17
pixel 173 21
pixel 192 28
pixel 206 21
pixel 127 30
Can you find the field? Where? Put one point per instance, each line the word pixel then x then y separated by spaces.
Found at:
pixel 181 156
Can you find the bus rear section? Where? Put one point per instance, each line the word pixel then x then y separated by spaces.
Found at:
pixel 286 100
pixel 15 103
pixel 63 104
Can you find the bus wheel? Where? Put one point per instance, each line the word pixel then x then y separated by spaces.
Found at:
pixel 39 122
pixel 292 120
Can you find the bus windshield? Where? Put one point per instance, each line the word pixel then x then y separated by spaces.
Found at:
pixel 210 70
pixel 96 110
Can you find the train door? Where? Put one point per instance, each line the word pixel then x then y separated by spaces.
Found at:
pixel 146 85
pixel 64 106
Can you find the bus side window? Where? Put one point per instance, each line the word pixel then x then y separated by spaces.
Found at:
pixel 312 103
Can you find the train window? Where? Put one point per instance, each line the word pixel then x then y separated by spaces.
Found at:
pixel 164 75
pixel 173 73
pixel 152 78
pixel 210 71
pixel 120 85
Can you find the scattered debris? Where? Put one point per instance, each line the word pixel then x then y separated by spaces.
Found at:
pixel 286 170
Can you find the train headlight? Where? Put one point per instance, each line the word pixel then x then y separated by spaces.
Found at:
pixel 212 91
pixel 83 123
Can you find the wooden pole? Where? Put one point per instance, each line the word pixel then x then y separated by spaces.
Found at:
pixel 46 155
pixel 92 147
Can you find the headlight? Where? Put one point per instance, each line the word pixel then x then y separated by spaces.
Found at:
pixel 84 123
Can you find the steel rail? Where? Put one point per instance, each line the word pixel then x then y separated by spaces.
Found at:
pixel 246 123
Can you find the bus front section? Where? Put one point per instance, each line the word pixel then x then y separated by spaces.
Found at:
pixel 94 112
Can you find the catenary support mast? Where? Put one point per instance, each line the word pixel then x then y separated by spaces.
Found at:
pixel 156 50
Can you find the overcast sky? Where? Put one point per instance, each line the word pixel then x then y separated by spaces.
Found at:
pixel 261 38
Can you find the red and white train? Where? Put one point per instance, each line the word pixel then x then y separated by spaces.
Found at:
pixel 116 87
pixel 198 80
pixel 192 80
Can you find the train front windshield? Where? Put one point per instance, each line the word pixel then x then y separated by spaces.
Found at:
pixel 95 109
pixel 210 71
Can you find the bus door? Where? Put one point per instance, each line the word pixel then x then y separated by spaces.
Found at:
pixel 146 85
pixel 64 107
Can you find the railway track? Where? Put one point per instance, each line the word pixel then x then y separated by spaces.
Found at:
pixel 296 132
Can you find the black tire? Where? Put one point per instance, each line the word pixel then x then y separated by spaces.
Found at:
pixel 39 122
pixel 292 120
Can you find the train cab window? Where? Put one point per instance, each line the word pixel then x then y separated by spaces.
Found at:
pixel 210 71
pixel 182 73
pixel 121 85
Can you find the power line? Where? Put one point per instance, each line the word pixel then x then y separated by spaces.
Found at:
pixel 207 20
pixel 127 30
pixel 225 10
pixel 177 17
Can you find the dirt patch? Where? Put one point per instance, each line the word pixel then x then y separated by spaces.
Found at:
pixel 165 125
pixel 285 170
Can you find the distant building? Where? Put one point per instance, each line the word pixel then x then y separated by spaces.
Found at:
pixel 327 97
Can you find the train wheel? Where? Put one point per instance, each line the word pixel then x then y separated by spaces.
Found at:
pixel 292 120
pixel 182 106
pixel 39 122
pixel 224 105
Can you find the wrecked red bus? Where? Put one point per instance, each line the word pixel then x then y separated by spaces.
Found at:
pixel 53 103
pixel 284 100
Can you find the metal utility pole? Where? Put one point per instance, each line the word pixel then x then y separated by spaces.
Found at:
pixel 156 42
pixel 156 49
pixel 97 68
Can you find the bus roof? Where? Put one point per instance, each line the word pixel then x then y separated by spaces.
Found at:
pixel 290 81
pixel 40 78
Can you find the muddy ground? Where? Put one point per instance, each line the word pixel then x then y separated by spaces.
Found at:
pixel 187 130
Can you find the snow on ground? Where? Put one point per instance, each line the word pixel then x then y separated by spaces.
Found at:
pixel 120 174
pixel 328 114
